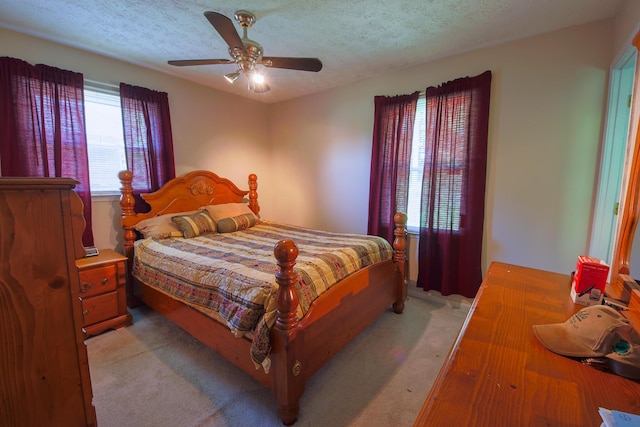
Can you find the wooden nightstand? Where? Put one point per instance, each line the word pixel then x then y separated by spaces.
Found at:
pixel 103 292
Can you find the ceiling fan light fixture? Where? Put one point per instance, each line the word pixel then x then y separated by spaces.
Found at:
pixel 257 78
pixel 261 88
pixel 232 77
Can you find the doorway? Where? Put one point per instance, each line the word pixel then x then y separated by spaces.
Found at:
pixel 613 157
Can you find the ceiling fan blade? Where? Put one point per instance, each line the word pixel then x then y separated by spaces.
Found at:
pixel 303 64
pixel 224 26
pixel 187 62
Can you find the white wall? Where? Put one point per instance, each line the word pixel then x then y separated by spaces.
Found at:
pixel 547 103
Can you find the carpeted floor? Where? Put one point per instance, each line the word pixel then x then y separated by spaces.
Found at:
pixel 154 374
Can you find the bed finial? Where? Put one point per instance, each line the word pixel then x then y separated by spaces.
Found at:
pixel 286 252
pixel 253 193
pixel 400 258
pixel 127 202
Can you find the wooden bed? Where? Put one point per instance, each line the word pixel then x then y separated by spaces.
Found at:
pixel 299 347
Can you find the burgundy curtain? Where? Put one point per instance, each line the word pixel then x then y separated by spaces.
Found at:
pixel 394 118
pixel 453 189
pixel 42 128
pixel 147 138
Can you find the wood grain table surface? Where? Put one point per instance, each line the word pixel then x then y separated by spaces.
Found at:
pixel 498 374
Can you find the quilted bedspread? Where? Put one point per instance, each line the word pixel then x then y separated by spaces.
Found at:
pixel 231 276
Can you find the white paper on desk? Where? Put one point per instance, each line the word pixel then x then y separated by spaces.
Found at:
pixel 624 419
pixel 607 418
pixel 613 418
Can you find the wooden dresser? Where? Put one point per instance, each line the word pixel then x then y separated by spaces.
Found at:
pixel 498 374
pixel 103 292
pixel 44 370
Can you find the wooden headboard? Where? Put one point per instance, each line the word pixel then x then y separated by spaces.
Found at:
pixel 188 192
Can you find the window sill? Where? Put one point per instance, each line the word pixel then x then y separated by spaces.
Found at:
pixel 413 231
pixel 109 197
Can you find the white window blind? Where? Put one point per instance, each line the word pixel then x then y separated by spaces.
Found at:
pixel 449 166
pixel 105 141
pixel 417 165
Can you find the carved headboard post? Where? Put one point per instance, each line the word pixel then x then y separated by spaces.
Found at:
pixel 253 194
pixel 127 202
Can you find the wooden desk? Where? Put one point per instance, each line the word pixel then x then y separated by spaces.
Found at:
pixel 498 374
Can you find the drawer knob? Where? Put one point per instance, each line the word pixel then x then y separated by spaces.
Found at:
pixel 84 287
pixel 85 313
pixel 105 281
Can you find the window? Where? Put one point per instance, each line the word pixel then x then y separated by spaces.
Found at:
pixel 105 141
pixel 417 165
pixel 448 166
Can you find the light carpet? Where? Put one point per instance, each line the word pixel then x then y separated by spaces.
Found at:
pixel 154 374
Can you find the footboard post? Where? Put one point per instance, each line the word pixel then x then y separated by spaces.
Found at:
pixel 400 258
pixel 127 202
pixel 288 378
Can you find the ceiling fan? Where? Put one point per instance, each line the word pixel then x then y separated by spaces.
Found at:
pixel 246 53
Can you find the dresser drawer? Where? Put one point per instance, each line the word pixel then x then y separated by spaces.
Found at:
pixel 98 280
pixel 99 308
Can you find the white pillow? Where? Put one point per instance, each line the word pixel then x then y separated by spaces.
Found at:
pixel 161 225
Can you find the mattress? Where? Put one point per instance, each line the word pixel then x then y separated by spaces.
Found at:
pixel 231 276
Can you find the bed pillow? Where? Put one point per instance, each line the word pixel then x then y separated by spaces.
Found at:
pixel 236 223
pixel 161 226
pixel 227 210
pixel 195 224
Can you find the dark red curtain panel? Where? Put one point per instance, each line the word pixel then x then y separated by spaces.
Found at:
pixel 147 138
pixel 42 128
pixel 394 118
pixel 453 190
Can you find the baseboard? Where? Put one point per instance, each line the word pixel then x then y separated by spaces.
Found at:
pixel 457 301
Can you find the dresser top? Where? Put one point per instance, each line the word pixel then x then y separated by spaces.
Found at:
pixel 24 183
pixel 498 373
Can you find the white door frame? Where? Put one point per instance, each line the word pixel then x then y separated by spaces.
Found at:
pixel 614 149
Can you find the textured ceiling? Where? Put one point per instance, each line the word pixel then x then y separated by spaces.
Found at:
pixel 355 39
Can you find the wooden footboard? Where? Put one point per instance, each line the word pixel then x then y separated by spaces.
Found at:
pixel 299 346
pixel 302 347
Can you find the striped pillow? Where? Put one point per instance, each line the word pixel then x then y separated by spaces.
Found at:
pixel 161 226
pixel 236 223
pixel 196 224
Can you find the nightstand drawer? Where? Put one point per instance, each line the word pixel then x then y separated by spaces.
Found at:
pixel 100 308
pixel 98 280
